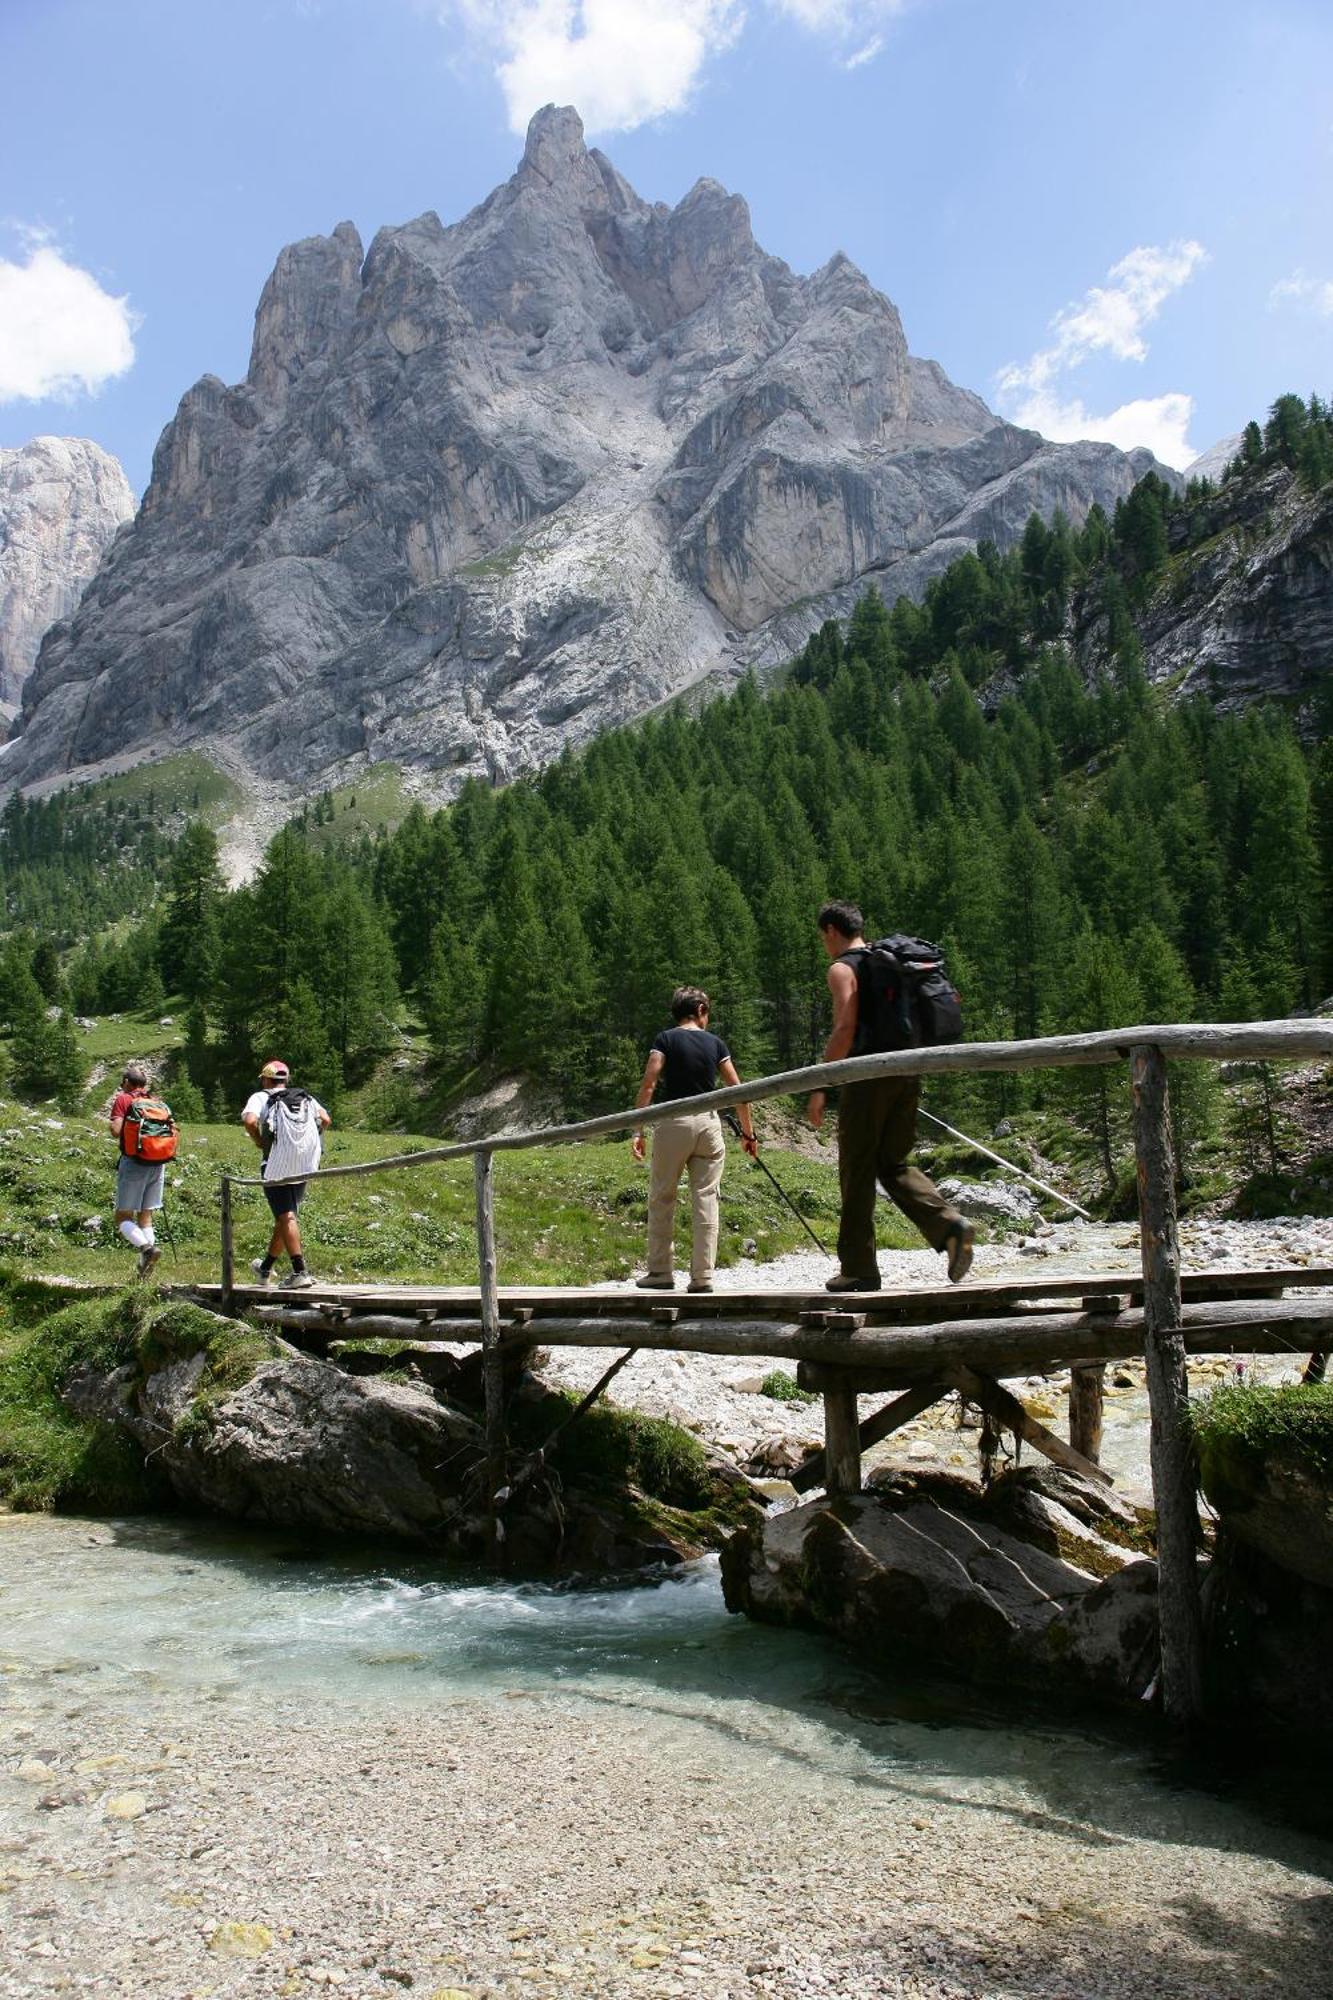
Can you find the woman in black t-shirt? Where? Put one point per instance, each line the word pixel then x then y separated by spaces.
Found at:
pixel 688 1060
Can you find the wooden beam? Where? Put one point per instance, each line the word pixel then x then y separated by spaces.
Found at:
pixel 1179 1613
pixel 842 1439
pixel 1012 1416
pixel 810 1472
pixel 492 1360
pixel 886 1358
pixel 1087 1392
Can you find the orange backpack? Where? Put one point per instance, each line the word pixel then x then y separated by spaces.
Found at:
pixel 149 1130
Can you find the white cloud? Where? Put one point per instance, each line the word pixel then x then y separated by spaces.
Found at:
pixel 622 62
pixel 839 17
pixel 61 335
pixel 865 54
pixel 1159 422
pixel 1302 290
pixel 1109 319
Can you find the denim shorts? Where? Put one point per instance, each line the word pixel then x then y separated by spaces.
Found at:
pixel 285 1200
pixel 139 1184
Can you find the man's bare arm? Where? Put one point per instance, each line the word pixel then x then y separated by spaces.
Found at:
pixel 842 985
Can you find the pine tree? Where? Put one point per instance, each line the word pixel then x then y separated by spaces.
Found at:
pixel 189 942
pixel 1102 993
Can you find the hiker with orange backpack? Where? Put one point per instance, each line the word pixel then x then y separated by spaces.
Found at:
pixel 148 1136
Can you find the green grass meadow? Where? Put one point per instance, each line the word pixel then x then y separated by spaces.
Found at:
pixel 565 1215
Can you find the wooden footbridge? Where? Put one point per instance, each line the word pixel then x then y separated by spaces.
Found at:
pixel 917 1345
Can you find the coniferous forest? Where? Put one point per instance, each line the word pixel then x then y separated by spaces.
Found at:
pixel 1088 854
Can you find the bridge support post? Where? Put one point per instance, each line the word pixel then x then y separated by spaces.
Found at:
pixel 492 1362
pixel 1168 1393
pixel 1087 1384
pixel 228 1246
pixel 842 1436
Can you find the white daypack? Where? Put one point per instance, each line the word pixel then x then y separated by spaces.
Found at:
pixel 289 1124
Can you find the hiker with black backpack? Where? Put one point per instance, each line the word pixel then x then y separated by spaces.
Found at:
pixel 892 994
pixel 148 1136
pixel 287 1124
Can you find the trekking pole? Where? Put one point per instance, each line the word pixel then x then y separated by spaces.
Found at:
pixel 175 1253
pixel 1000 1161
pixel 734 1122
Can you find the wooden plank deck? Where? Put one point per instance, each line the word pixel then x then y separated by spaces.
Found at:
pixel 906 1306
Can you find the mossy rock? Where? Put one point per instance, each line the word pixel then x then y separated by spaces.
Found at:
pixel 1266 1468
pixel 52 1456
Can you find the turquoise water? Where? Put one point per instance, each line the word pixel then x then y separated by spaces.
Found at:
pixel 154 1615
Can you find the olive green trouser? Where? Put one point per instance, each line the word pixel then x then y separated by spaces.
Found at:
pixel 693 1143
pixel 876 1132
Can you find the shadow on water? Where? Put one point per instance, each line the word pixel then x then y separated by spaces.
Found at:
pixel 252 1613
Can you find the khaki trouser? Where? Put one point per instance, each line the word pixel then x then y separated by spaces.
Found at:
pixel 693 1141
pixel 876 1132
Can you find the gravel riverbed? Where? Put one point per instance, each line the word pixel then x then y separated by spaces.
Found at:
pixel 618 1837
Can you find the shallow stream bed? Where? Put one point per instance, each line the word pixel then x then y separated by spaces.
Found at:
pixel 232 1764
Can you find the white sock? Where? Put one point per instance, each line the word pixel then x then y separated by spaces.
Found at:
pixel 133 1235
pixel 149 1237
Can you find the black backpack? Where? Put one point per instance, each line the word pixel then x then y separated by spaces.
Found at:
pixel 905 999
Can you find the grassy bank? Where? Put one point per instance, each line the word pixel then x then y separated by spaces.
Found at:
pixel 564 1215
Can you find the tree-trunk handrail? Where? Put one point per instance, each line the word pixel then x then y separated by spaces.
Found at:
pixel 1241 1041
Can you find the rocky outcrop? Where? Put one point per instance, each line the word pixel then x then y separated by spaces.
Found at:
pixel 240 1425
pixel 61 502
pixel 1037 1584
pixel 1246 612
pixel 497 485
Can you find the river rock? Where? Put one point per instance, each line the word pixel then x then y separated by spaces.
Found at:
pixel 1008 1201
pixel 1020 1586
pixel 1277 1505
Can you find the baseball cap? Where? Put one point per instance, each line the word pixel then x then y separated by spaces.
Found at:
pixel 272 1072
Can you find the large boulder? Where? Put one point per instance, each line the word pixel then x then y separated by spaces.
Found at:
pixel 237 1423
pixel 1037 1583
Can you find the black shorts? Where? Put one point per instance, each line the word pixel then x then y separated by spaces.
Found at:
pixel 285 1200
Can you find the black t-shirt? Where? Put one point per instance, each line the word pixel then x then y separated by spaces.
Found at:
pixel 692 1059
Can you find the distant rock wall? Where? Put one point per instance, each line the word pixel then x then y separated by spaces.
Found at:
pixel 61 502
pixel 495 486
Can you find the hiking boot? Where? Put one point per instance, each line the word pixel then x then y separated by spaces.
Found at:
pixel 148 1256
pixel 297 1281
pixel 262 1277
pixel 959 1245
pixel 694 1286
pixel 841 1282
pixel 656 1281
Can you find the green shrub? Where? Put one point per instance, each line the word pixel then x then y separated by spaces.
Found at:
pixel 1240 1426
pixel 784 1388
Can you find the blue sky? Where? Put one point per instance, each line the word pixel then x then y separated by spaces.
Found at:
pixel 1110 219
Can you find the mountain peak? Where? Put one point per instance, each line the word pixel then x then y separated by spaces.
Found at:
pixel 555 142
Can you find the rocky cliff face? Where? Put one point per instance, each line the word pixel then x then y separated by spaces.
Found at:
pixel 493 487
pixel 1249 611
pixel 61 502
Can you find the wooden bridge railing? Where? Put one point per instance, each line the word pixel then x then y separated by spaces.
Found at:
pixel 1147 1050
